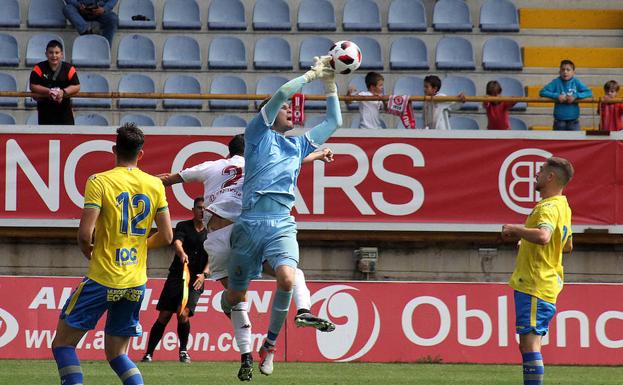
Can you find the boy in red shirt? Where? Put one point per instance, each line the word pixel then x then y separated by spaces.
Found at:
pixel 610 113
pixel 497 112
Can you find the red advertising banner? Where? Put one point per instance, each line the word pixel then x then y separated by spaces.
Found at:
pixel 404 179
pixel 375 322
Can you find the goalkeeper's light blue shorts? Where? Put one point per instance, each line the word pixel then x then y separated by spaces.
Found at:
pixel 532 314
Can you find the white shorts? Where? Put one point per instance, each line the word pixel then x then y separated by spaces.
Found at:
pixel 218 247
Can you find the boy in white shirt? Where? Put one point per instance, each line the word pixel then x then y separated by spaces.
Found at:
pixel 435 114
pixel 370 111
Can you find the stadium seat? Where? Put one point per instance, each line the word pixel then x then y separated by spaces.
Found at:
pixel 316 15
pixel 315 88
pixel 136 51
pixel 272 53
pixel 6 118
pixel 10 16
pixel 407 15
pixel 454 53
pixel 33 119
pixel 46 14
pixel 138 119
pixel 227 52
pixel 228 85
pixel 371 53
pixel 410 85
pixel 181 14
pixel 357 120
pixel 35 50
pixel 9 54
pixel 408 53
pixel 91 119
pixel 268 85
pixel 313 120
pixel 517 124
pixel 452 16
pixel 271 15
pixel 90 82
pixel 183 121
pixel 501 53
pixel 136 83
pixel 359 82
pixel 226 14
pixel 499 16
pixel 229 121
pixel 181 52
pixel 454 85
pixel 182 84
pixel 513 87
pixel 8 83
pixel 28 101
pixel 361 15
pixel 463 123
pixel 91 51
pixel 310 47
pixel 141 10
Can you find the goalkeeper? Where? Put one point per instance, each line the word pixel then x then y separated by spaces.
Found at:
pixel 266 230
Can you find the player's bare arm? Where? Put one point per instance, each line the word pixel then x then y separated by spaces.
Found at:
pixel 540 236
pixel 568 247
pixel 325 155
pixel 179 251
pixel 169 179
pixel 85 231
pixel 164 235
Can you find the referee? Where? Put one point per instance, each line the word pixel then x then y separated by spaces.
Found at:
pixel 188 244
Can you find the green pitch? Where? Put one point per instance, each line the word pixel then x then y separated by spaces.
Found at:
pixel 24 372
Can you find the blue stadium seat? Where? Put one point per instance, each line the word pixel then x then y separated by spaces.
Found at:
pixel 136 83
pixel 90 82
pixel 139 9
pixel 228 85
pixel 91 51
pixel 8 83
pixel 181 14
pixel 454 53
pixel 138 119
pixel 314 88
pixel 452 15
pixel 10 16
pixel 6 118
pixel 372 57
pixel 28 101
pixel 463 123
pixel 517 124
pixel 501 53
pixel 229 121
pixel 182 84
pixel 226 14
pixel 35 50
pixel 183 121
pixel 410 85
pixel 313 120
pixel 408 53
pixel 136 51
pixel 9 54
pixel 454 85
pixel 316 15
pixel 407 15
pixel 268 85
pixel 361 15
pixel 33 119
pixel 46 14
pixel 272 53
pixel 310 47
pixel 181 52
pixel 499 16
pixel 91 119
pixel 271 15
pixel 357 120
pixel 227 52
pixel 513 87
pixel 359 82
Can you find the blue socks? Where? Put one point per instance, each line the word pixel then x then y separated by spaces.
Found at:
pixel 126 370
pixel 278 314
pixel 68 365
pixel 533 369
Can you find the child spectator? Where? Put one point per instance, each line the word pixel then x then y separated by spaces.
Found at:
pixel 497 112
pixel 610 113
pixel 435 114
pixel 370 111
pixel 565 90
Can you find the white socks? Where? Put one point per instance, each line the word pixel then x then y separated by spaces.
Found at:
pixel 242 326
pixel 300 292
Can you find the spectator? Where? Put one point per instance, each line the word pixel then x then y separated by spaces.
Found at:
pixel 370 111
pixel 54 81
pixel 565 90
pixel 497 112
pixel 80 12
pixel 435 114
pixel 610 113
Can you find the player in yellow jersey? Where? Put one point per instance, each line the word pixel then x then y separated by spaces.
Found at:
pixel 120 205
pixel 538 275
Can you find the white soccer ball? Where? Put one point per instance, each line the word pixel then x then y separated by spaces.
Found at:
pixel 345 57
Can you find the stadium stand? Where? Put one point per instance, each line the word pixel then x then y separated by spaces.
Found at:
pixel 92 119
pixel 452 16
pixel 6 118
pixel 91 51
pixel 227 53
pixel 357 119
pixel 370 51
pixel 513 87
pixel 499 16
pixel 272 53
pixel 9 54
pixel 271 15
pixel 314 88
pixel 32 119
pixel 454 85
pixel 454 53
pixel 29 102
pixel 92 82
pixel 227 14
pixel 35 50
pixel 10 15
pixel 359 82
pixel 181 14
pixel 463 123
pixel 182 84
pixel 46 14
pixel 268 85
pixel 138 14
pixel 136 51
pixel 313 120
pixel 138 119
pixel 517 124
pixel 407 15
pixel 316 15
pixel 136 83
pixel 181 52
pixel 228 85
pixel 180 120
pixel 310 47
pixel 8 83
pixel 410 85
pixel 228 121
pixel 501 53
pixel 408 53
pixel 361 15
